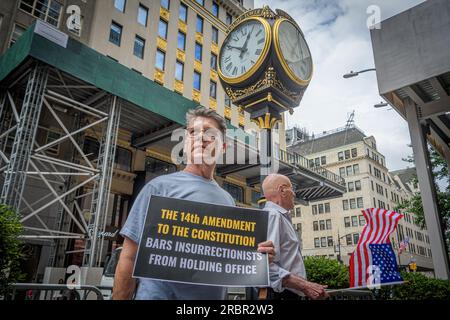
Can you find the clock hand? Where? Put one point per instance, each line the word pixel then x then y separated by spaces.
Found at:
pixel 233 47
pixel 244 47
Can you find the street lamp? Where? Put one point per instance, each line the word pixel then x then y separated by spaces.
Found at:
pixel 381 105
pixel 339 245
pixel 352 74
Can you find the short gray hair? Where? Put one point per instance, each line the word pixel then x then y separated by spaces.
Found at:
pixel 204 112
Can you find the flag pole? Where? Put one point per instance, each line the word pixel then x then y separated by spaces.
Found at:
pixel 366 287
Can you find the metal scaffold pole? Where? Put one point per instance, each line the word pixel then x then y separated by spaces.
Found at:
pixel 16 170
pixel 102 185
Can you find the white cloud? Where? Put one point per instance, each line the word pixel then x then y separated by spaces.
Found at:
pixel 339 39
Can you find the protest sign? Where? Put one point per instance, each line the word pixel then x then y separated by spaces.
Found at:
pixel 201 243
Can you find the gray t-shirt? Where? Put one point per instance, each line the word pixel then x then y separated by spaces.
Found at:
pixel 180 185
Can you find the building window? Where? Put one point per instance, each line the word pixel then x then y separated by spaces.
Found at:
pixel 227 100
pixel 323 160
pixel 347 222
pixel 215 9
pixel 91 148
pixel 298 212
pixel 355 168
pixel 213 89
pixel 255 196
pixel 354 221
pixel 352 204
pixel 340 156
pixel 52 136
pixel 200 2
pixel 322 225
pixel 179 70
pixel 317 162
pixel 115 33
pixel 162 29
pixel 165 4
pixel 46 10
pixel 347 154
pixel 229 19
pixel 142 15
pixel 139 45
pixel 355 238
pixel 181 41
pixel 182 14
pixel 362 220
pixel 120 5
pixel 199 25
pixel 351 186
pixel 348 170
pixel 354 153
pixel 345 204
pixel 348 239
pixel 320 206
pixel 215 35
pixel 314 209
pixel 315 226
pixel 123 159
pixel 327 207
pixel 316 243
pixel 342 171
pixel 17 32
pixel 360 202
pixel 236 192
pixel 357 185
pixel 213 62
pixel 160 59
pixel 198 51
pixel 197 80
pixel 155 167
pixel 323 242
pixel 328 223
pixel 330 241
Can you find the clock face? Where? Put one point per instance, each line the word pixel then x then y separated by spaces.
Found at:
pixel 294 50
pixel 242 48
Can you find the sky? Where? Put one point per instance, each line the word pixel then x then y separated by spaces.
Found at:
pixel 339 40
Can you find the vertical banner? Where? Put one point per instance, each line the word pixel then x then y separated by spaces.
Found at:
pixel 201 243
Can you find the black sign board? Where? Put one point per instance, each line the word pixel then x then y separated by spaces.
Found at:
pixel 201 243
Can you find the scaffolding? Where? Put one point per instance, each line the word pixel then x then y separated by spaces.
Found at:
pixel 42 89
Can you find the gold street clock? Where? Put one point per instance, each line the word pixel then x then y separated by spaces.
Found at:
pixel 265 64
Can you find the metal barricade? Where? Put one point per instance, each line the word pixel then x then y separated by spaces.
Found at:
pixel 42 291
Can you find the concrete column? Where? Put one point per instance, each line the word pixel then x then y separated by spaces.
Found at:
pixel 428 192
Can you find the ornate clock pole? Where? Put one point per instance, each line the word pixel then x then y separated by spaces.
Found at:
pixel 265 67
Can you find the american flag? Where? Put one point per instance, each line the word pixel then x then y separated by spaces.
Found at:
pixel 373 260
pixel 403 245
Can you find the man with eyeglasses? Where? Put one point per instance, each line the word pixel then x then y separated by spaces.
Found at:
pixel 287 273
pixel 204 143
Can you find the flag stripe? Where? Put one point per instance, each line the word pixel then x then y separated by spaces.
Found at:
pixel 380 223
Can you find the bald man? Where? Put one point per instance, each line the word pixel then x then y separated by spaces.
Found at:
pixel 288 270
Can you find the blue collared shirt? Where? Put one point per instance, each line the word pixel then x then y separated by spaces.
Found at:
pixel 288 258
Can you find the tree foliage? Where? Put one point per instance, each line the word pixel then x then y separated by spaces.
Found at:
pixel 11 248
pixel 417 287
pixel 415 206
pixel 327 272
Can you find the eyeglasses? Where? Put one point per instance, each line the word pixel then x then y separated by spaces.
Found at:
pixel 209 135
